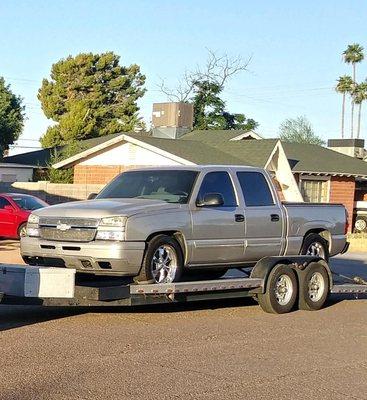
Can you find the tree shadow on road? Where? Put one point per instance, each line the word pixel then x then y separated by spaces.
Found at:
pixel 16 316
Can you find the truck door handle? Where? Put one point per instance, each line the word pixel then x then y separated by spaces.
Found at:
pixel 239 217
pixel 274 217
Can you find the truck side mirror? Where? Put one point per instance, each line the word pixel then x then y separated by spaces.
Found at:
pixel 92 196
pixel 210 200
pixel 9 208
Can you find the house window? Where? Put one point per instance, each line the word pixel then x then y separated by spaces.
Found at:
pixel 314 191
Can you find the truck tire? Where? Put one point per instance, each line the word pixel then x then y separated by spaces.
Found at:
pixel 162 262
pixel 313 287
pixel 280 292
pixel 360 224
pixel 315 245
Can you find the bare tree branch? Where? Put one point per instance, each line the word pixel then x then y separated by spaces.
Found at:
pixel 217 69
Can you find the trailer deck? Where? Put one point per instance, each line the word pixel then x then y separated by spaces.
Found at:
pixel 48 286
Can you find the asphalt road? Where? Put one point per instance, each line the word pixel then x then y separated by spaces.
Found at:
pixel 208 350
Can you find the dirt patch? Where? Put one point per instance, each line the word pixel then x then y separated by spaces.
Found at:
pixel 9 252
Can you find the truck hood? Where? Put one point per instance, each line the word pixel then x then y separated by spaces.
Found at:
pixel 100 208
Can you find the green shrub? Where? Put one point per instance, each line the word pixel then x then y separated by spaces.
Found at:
pixel 63 175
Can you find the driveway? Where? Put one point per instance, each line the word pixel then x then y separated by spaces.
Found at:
pixel 206 350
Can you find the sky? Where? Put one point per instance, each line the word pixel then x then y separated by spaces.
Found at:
pixel 295 49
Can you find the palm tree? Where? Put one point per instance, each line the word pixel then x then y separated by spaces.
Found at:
pixel 344 86
pixel 353 55
pixel 359 96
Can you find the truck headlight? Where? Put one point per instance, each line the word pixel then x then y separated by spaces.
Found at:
pixel 118 222
pixel 32 232
pixel 32 226
pixel 33 219
pixel 110 235
pixel 111 228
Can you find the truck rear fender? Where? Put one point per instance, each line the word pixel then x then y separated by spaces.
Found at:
pixel 264 266
pixel 324 233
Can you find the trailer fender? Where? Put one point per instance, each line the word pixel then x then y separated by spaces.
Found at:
pixel 300 270
pixel 263 267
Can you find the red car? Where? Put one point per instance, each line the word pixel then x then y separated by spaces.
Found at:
pixel 14 212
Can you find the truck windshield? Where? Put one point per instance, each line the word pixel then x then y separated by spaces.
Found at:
pixel 172 186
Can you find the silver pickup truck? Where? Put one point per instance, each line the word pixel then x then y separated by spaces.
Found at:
pixel 157 224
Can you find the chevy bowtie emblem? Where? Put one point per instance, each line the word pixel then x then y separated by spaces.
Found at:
pixel 63 227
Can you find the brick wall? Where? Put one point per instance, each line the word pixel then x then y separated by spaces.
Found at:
pixel 98 174
pixel 342 190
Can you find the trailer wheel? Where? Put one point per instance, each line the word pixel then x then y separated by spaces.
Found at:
pixel 162 262
pixel 280 292
pixel 313 287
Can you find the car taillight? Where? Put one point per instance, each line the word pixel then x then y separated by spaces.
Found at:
pixel 346 226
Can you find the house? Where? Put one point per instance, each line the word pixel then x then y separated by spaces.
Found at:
pixel 38 158
pixel 302 172
pixel 101 163
pixel 10 173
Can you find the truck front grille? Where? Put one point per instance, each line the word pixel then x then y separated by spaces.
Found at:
pixel 68 229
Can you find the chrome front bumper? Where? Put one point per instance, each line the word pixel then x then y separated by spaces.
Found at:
pixel 97 257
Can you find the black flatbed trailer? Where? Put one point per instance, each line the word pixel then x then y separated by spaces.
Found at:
pixel 267 281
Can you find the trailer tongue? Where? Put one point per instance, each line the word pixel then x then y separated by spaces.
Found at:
pixel 276 282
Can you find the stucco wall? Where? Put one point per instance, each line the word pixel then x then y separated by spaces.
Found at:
pixel 128 154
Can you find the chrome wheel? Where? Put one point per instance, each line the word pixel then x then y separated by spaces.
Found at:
pixel 283 289
pixel 316 249
pixel 316 286
pixel 164 264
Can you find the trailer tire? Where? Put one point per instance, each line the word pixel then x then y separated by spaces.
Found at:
pixel 152 263
pixel 315 245
pixel 313 287
pixel 281 290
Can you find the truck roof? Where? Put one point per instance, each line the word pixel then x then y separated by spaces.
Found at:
pixel 199 167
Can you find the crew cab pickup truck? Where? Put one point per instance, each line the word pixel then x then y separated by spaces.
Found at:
pixel 157 224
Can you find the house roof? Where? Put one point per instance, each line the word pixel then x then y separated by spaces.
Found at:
pixel 215 147
pixel 41 158
pixel 13 165
pixel 215 137
pixel 38 158
pixel 311 158
pixel 251 152
pixel 195 151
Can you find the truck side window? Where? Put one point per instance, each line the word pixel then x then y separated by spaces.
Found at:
pixel 219 182
pixel 255 189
